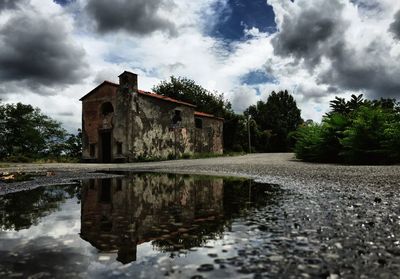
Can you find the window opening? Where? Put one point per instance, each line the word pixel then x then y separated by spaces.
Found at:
pixel 106 109
pixel 177 117
pixel 198 123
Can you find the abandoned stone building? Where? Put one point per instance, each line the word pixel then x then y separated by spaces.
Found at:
pixel 121 123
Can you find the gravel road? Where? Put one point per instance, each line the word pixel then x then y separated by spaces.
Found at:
pixel 334 222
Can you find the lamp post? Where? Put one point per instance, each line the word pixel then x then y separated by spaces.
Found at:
pixel 248 131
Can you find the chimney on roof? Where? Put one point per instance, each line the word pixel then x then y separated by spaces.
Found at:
pixel 128 81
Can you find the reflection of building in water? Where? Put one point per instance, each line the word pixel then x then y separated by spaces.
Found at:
pixel 120 213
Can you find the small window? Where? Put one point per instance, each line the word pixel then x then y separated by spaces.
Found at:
pixel 177 117
pixel 119 148
pixel 106 108
pixel 198 123
pixel 92 150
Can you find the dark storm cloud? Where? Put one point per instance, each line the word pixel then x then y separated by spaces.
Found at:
pixel 37 51
pixel 368 69
pixel 138 17
pixel 304 36
pixel 317 31
pixel 9 4
pixel 395 26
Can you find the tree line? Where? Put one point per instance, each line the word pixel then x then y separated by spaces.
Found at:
pixel 26 134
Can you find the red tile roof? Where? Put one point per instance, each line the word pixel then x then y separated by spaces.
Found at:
pixel 161 97
pixel 203 114
pixel 144 93
pixel 157 96
pixel 97 87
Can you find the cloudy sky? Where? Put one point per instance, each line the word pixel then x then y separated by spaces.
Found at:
pixel 54 52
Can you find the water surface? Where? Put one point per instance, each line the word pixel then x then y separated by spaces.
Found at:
pixel 140 225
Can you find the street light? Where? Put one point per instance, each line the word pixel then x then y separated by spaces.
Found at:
pixel 248 131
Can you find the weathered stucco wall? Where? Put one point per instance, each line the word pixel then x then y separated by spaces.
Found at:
pixel 208 139
pixel 93 121
pixel 152 133
pixel 144 127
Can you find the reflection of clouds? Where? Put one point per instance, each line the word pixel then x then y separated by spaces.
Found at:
pixel 58 224
pixel 55 245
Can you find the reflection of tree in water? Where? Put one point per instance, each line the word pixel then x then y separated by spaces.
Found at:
pixel 23 209
pixel 239 195
pixel 172 211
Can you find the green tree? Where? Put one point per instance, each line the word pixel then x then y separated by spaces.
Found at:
pixel 73 145
pixel 187 90
pixel 26 131
pixel 275 119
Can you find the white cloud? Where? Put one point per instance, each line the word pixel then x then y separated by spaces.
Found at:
pixel 359 31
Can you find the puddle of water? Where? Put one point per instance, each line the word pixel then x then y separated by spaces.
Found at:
pixel 144 224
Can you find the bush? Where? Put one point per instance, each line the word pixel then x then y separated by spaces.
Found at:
pixel 363 139
pixel 19 159
pixel 366 133
pixel 309 143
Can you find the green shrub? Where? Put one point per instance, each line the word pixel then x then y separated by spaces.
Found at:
pixel 362 141
pixel 309 143
pixel 18 159
pixel 367 133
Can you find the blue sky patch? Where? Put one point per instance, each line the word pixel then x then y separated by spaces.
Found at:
pixel 63 2
pixel 241 14
pixel 257 77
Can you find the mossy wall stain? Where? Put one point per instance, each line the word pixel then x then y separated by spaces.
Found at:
pixel 144 125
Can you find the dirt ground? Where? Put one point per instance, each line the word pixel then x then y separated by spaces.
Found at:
pixel 334 221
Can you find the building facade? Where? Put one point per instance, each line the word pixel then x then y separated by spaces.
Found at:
pixel 121 123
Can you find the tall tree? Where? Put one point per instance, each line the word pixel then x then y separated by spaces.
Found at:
pixel 187 90
pixel 275 119
pixel 25 130
pixel 73 145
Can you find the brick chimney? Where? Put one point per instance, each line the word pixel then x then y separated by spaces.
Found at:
pixel 128 81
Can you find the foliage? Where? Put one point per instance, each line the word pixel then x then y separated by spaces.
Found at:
pixel 73 145
pixel 26 134
pixel 26 131
pixel 23 209
pixel 187 90
pixel 273 121
pixel 356 132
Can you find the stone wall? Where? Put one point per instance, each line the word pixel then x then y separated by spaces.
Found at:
pixel 208 139
pixel 151 133
pixel 93 120
pixel 142 125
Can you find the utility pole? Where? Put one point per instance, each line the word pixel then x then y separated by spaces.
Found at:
pixel 248 131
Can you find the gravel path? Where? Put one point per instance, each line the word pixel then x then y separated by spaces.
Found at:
pixel 335 222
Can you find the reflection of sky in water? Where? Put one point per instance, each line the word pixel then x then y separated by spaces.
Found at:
pixel 53 244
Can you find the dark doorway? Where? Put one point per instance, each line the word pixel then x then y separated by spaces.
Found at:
pixel 106 147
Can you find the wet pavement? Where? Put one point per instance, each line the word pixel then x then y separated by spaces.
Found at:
pixel 312 221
